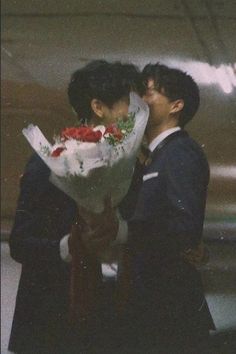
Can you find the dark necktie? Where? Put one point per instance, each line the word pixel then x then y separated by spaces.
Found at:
pixel 145 156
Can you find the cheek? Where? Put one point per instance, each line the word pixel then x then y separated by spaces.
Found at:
pixel 156 114
pixel 158 107
pixel 120 111
pixel 154 109
pixel 149 100
pixel 125 111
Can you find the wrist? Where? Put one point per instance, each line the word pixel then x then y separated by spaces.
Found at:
pixel 64 249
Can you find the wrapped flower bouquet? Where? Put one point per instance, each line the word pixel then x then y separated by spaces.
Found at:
pixel 90 163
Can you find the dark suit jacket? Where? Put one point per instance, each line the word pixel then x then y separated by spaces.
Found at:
pixel 41 320
pixel 171 201
pixel 169 207
pixel 44 215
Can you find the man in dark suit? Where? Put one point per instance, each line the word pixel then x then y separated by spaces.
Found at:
pixel 41 234
pixel 167 310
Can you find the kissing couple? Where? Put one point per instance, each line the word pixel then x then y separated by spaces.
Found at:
pixel 126 279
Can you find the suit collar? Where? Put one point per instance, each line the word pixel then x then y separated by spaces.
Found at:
pixel 158 139
pixel 169 138
pixel 147 155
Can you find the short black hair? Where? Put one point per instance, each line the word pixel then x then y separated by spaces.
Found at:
pixel 133 77
pixel 108 82
pixel 174 84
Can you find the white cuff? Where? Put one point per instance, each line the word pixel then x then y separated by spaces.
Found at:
pixel 122 233
pixel 64 249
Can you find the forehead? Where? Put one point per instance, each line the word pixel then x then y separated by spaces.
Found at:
pixel 152 87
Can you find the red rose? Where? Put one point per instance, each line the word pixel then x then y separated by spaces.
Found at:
pixel 91 136
pixel 113 130
pixel 71 133
pixel 83 133
pixel 57 152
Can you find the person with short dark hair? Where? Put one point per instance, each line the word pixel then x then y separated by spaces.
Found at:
pixel 175 84
pixel 41 234
pixel 166 307
pixel 112 83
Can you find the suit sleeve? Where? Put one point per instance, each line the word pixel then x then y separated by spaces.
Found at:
pixel 30 240
pixel 187 178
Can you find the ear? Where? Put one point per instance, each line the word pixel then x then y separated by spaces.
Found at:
pixel 177 106
pixel 97 107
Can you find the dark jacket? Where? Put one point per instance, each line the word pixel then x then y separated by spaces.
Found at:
pixel 44 215
pixel 41 320
pixel 169 206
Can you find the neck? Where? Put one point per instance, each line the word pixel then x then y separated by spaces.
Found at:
pixel 153 131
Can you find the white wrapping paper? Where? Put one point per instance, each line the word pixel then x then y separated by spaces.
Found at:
pixel 90 172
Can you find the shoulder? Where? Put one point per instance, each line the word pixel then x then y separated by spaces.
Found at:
pixel 184 153
pixel 36 174
pixel 36 167
pixel 184 145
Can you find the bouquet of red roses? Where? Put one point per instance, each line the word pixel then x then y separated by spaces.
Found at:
pixel 90 163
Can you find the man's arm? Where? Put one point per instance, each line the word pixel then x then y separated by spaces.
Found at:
pixel 30 239
pixel 186 183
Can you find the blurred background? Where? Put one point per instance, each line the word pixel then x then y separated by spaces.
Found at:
pixel 43 42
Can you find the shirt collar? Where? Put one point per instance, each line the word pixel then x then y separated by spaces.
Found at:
pixel 155 142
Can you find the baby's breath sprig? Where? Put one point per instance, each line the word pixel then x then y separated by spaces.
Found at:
pixel 112 140
pixel 126 126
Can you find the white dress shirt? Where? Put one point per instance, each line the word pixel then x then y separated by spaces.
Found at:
pixel 159 138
